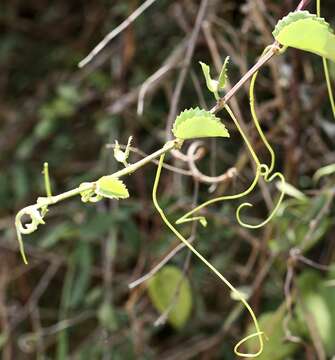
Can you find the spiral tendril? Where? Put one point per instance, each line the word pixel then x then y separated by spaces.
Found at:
pixel 36 219
pixel 274 210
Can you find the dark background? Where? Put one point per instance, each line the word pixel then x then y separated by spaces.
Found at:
pixel 73 301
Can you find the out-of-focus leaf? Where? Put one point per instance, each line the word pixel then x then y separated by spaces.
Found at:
pixel 20 180
pixel 106 316
pixel 316 301
pixel 56 234
pixel 290 190
pixel 83 263
pixel 62 345
pixel 324 171
pixel 294 224
pixel 3 339
pixel 162 291
pixel 274 348
pixel 93 295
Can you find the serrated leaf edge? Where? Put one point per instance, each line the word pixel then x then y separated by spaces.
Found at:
pixel 98 191
pixel 295 16
pixel 192 113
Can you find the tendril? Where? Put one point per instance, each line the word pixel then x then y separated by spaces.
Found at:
pixel 186 217
pixel 36 219
pixel 275 209
pixel 258 332
pixel 255 117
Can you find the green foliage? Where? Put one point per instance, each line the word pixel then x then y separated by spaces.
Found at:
pixel 275 347
pixel 167 288
pixel 324 171
pixel 59 126
pixel 198 123
pixel 223 74
pixel 293 223
pixel 107 317
pixel 291 190
pixel 212 85
pixel 308 32
pixel 316 305
pixel 215 86
pixel 110 187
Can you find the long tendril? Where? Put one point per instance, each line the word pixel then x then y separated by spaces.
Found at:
pixel 325 68
pixel 255 117
pixel 258 332
pixel 265 169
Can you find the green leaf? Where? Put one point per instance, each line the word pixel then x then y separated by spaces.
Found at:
pixel 274 348
pixel 162 288
pixel 306 31
pixel 290 190
pixel 212 85
pixel 324 171
pixel 223 74
pixel 111 187
pixel 198 123
pixel 82 273
pixel 317 303
pixel 107 317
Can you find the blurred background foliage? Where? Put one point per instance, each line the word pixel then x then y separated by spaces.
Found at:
pixel 73 300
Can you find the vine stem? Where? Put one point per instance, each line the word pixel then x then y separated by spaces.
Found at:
pixel 126 171
pixel 36 217
pixel 262 60
pixel 274 48
pixel 258 332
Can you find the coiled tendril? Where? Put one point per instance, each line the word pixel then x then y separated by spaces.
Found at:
pixel 36 218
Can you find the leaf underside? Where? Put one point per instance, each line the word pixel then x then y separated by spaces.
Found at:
pixel 305 31
pixel 198 123
pixel 111 187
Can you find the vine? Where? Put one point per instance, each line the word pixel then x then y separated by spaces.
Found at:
pixel 199 123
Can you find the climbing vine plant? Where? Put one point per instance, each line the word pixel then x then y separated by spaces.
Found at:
pixel 299 29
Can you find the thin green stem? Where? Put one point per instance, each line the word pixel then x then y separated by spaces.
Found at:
pixel 186 217
pixel 37 211
pixel 47 183
pixel 273 212
pixel 326 69
pixel 258 332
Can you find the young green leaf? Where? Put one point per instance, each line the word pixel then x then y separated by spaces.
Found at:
pixel 169 288
pixel 212 85
pixel 306 31
pixel 198 123
pixel 223 74
pixel 111 187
